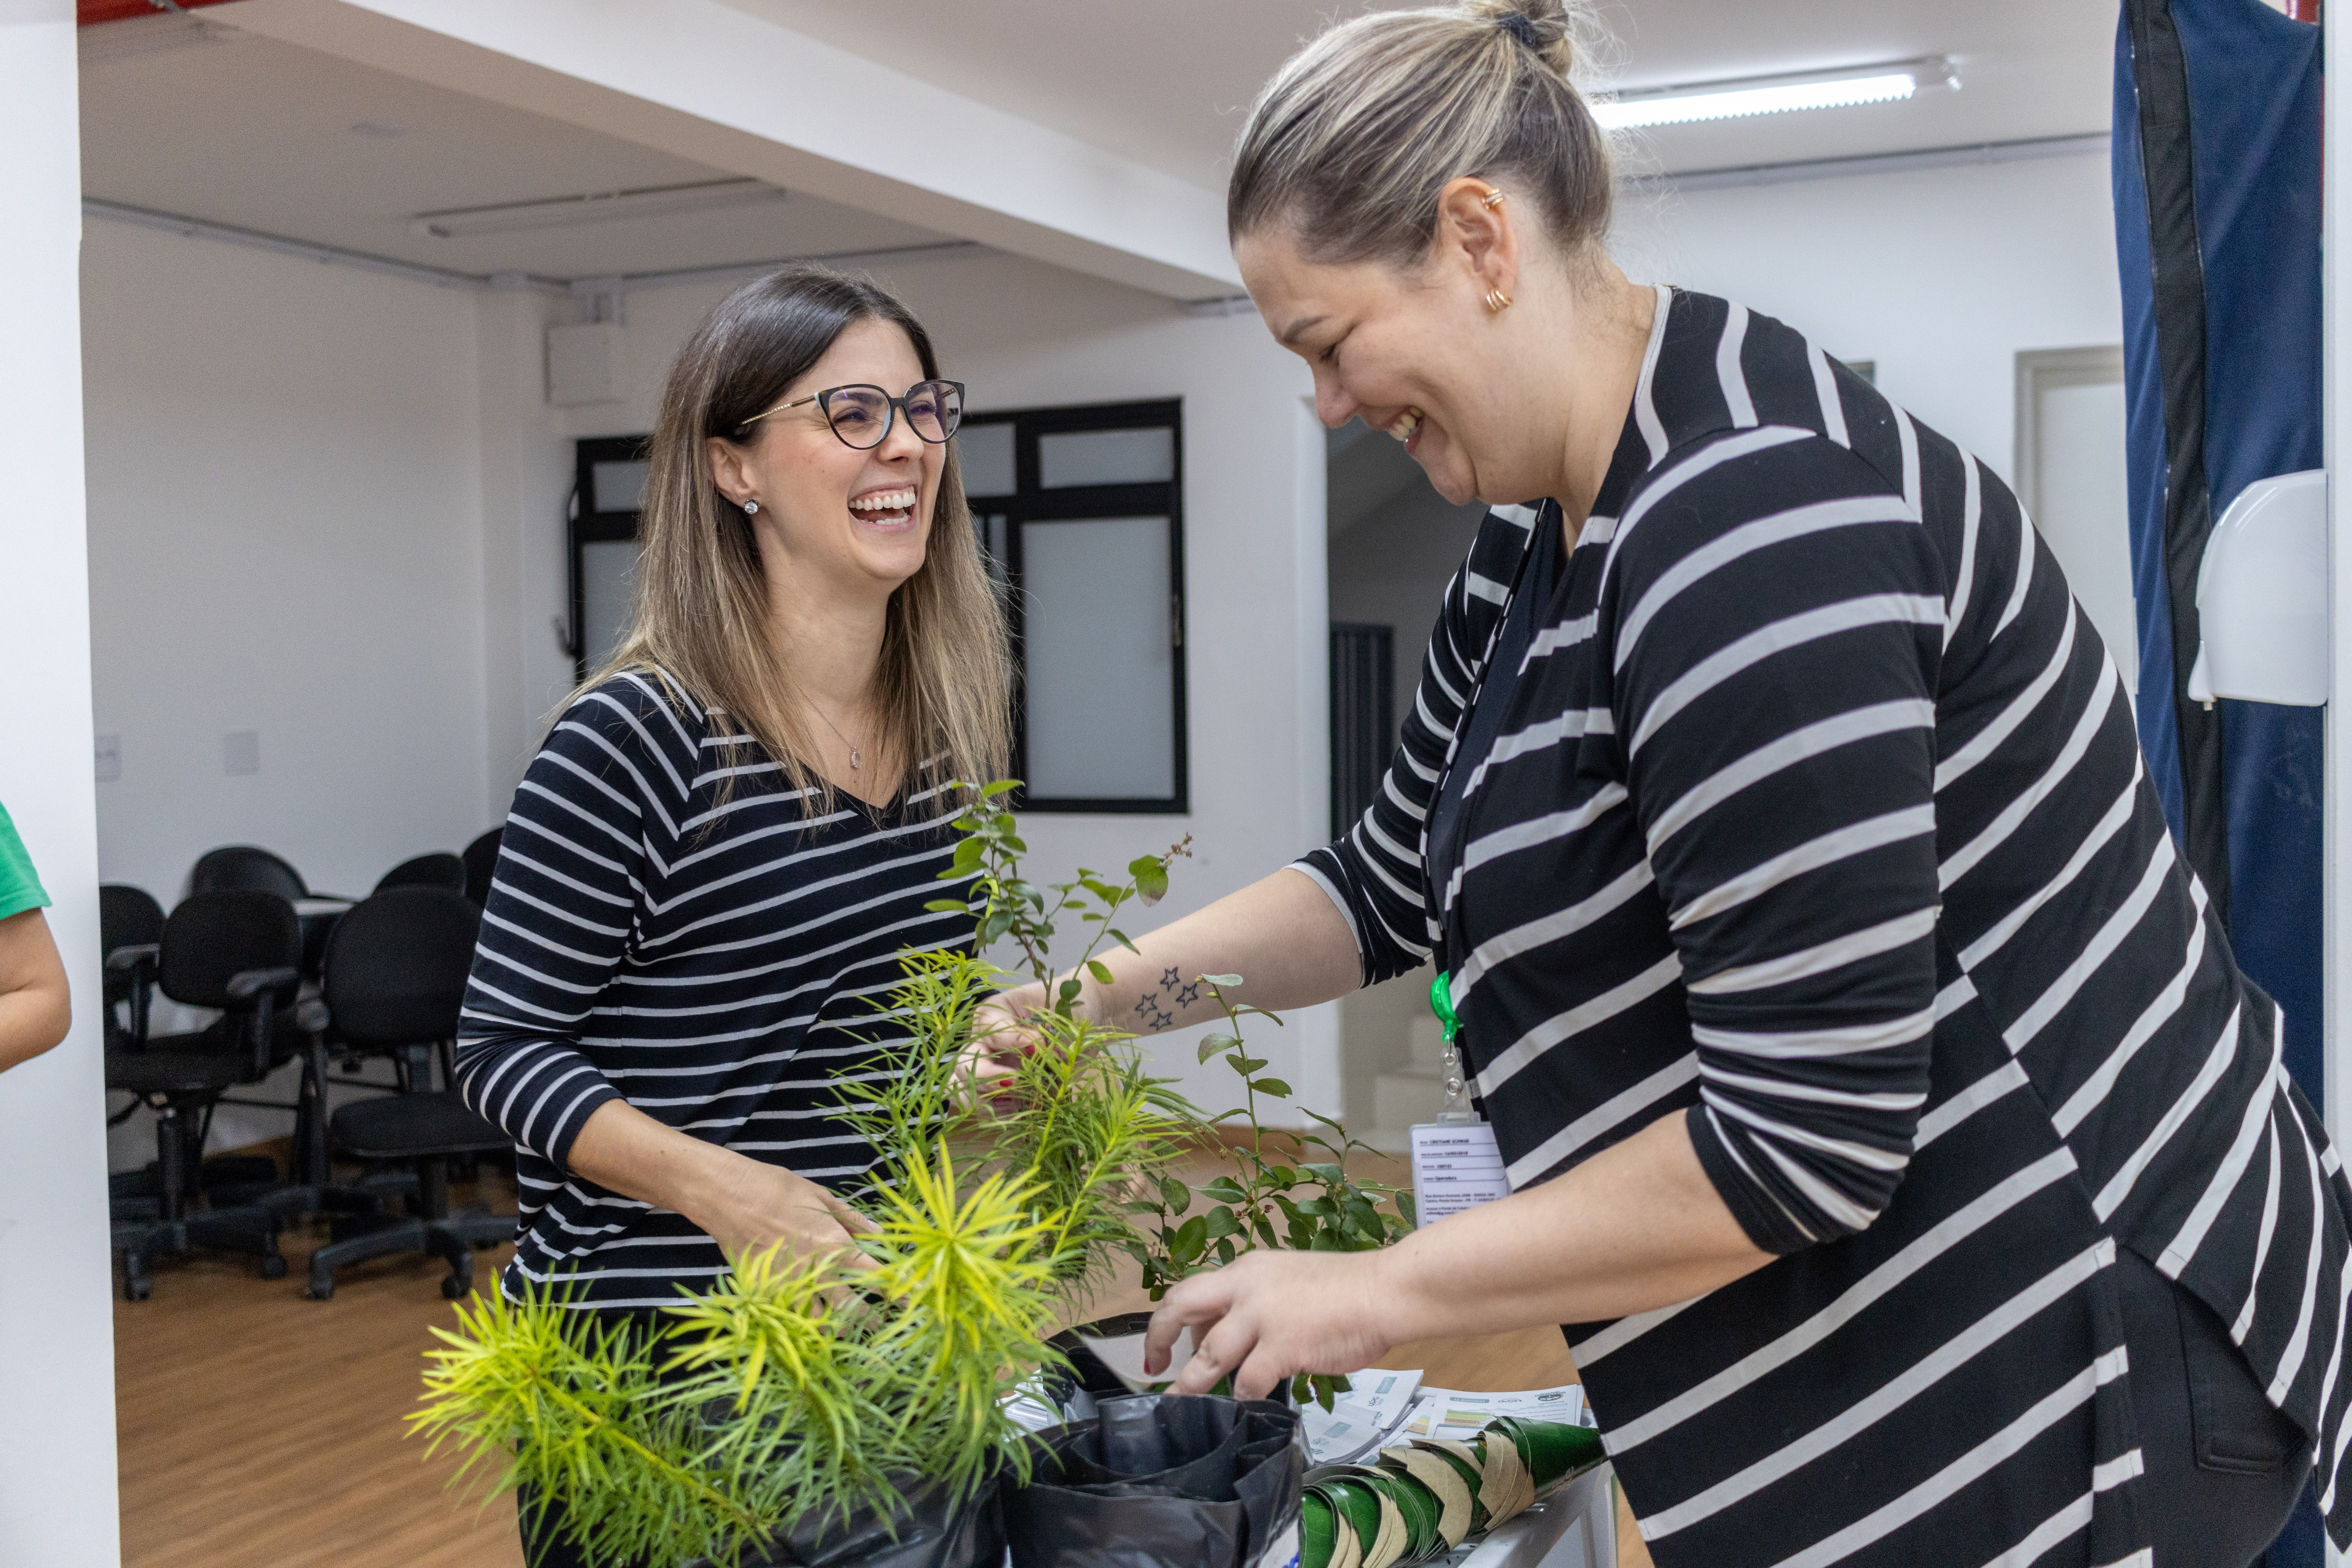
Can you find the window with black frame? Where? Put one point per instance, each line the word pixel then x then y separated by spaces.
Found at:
pixel 1080 512
pixel 609 493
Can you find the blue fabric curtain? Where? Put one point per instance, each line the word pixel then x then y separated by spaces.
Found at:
pixel 2216 168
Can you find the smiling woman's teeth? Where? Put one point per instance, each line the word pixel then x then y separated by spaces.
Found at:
pixel 883 500
pixel 1406 424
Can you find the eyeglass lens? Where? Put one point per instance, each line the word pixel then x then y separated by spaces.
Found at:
pixel 861 414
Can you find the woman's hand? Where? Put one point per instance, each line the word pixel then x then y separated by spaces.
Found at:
pixel 748 1206
pixel 1001 1037
pixel 1269 1316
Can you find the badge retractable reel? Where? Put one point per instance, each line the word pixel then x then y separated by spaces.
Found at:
pixel 1456 1163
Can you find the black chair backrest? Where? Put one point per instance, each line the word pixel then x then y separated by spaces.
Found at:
pixel 396 966
pixel 438 869
pixel 212 937
pixel 242 868
pixel 127 917
pixel 481 862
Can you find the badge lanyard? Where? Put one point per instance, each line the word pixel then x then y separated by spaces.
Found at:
pixel 1455 1162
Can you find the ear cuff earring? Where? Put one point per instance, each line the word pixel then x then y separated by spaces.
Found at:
pixel 1498 302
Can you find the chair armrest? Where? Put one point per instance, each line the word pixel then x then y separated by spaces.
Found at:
pixel 247 983
pixel 131 955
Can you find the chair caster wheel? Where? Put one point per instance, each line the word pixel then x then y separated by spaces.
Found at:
pixel 455 1289
pixel 315 1291
pixel 137 1289
pixel 273 1267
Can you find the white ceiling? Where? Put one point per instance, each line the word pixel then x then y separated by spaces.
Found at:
pixel 189 118
pixel 1167 84
pixel 245 131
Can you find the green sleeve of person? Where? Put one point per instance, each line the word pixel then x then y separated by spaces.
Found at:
pixel 20 888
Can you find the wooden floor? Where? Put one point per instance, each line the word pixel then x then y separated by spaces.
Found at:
pixel 259 1429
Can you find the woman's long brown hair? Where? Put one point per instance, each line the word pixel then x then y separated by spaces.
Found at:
pixel 700 613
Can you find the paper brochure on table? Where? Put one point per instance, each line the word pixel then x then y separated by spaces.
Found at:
pixel 1382 1406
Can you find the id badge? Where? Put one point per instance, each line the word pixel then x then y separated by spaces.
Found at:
pixel 1455 1162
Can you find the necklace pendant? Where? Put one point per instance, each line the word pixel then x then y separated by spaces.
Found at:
pixel 855 760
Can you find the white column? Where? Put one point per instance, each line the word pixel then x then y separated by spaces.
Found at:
pixel 57 1422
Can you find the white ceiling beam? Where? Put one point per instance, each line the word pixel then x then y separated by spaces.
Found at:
pixel 701 80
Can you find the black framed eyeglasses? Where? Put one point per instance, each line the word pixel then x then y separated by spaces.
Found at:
pixel 861 414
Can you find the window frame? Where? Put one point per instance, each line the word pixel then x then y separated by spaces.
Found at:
pixel 584 525
pixel 1031 502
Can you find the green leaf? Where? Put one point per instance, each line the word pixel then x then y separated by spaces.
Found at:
pixel 1212 1044
pixel 1248 1065
pixel 1331 1176
pixel 1227 981
pixel 1191 1238
pixel 994 924
pixel 1002 786
pixel 1119 937
pixel 1100 970
pixel 1273 1085
pixel 1223 1223
pixel 1069 988
pixel 1225 1190
pixel 948 907
pixel 1175 1194
pixel 1224 1251
pixel 1150 877
pixel 1405 1206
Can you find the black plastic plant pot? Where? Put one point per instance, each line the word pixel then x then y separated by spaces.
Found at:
pixel 1184 1480
pixel 923 1530
pixel 1087 1373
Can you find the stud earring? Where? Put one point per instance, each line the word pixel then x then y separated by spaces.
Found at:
pixel 1498 302
pixel 751 508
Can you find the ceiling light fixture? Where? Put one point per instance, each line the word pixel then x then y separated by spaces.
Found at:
pixel 1747 96
pixel 594 206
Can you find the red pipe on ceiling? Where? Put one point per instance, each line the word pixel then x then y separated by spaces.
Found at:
pixel 89 13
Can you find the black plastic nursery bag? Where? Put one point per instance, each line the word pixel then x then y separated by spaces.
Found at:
pixel 1162 1482
pixel 925 1532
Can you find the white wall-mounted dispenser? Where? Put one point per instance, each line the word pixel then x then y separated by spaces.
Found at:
pixel 2262 596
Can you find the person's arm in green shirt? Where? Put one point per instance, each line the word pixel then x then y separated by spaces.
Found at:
pixel 35 1011
pixel 34 1007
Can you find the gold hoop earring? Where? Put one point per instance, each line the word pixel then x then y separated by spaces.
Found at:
pixel 1498 302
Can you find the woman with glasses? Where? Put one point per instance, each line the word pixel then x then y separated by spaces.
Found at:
pixel 727 839
pixel 1883 1111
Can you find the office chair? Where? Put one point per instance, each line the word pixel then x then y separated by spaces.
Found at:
pixel 438 869
pixel 131 932
pixel 242 868
pixel 236 951
pixel 395 979
pixel 481 863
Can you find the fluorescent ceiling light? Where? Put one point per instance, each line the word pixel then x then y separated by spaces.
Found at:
pixel 594 206
pixel 1773 95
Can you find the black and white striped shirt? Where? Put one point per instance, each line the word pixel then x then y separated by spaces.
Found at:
pixel 1803 800
pixel 717 963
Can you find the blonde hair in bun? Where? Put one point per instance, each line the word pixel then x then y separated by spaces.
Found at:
pixel 1350 145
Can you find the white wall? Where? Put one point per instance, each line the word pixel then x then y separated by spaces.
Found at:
pixel 1939 274
pixel 1023 334
pixel 57 1423
pixel 286 537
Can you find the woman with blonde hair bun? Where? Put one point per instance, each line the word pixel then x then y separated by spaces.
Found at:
pixel 1886 1119
pixel 729 837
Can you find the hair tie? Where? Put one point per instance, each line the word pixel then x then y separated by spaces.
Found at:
pixel 1515 24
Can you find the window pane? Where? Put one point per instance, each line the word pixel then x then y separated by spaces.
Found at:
pixel 1096 645
pixel 620 487
pixel 608 576
pixel 987 452
pixel 1107 458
